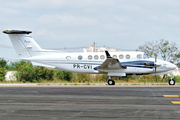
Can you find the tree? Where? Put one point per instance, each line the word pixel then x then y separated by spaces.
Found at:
pixel 148 48
pixel 167 51
pixel 162 48
pixel 3 65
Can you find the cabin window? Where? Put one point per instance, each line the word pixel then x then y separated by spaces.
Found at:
pixel 114 56
pixel 96 57
pixel 68 57
pixel 90 57
pixel 102 57
pixel 121 56
pixel 80 57
pixel 139 56
pixel 127 56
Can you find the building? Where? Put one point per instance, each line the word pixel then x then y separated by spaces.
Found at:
pixel 100 49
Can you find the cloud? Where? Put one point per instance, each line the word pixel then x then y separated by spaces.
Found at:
pixel 77 20
pixel 67 19
pixel 41 32
pixel 113 27
pixel 122 19
pixel 102 21
pixel 8 11
pixel 165 19
pixel 30 4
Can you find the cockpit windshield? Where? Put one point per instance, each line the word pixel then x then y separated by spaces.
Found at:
pixel 145 56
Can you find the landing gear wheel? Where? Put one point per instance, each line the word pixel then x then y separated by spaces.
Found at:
pixel 171 82
pixel 111 82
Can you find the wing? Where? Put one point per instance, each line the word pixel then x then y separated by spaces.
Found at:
pixel 110 63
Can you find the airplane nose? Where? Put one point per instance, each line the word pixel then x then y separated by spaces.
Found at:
pixel 171 66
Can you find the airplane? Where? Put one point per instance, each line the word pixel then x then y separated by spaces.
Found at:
pixel 114 64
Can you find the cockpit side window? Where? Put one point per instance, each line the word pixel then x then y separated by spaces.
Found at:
pixel 139 56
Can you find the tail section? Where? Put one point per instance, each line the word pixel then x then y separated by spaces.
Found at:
pixel 23 43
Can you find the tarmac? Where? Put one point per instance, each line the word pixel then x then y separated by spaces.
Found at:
pixel 52 102
pixel 86 84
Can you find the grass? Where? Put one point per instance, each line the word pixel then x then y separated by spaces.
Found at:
pixel 102 79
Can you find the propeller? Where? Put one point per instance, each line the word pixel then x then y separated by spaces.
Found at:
pixel 155 66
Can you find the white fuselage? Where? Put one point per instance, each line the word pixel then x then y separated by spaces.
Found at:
pixel 85 62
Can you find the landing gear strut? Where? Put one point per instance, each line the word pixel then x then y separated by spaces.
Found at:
pixel 110 81
pixel 171 81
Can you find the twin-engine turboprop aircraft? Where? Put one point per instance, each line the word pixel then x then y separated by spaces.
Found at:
pixel 115 64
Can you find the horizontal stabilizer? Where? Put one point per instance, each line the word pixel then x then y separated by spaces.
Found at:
pixel 16 32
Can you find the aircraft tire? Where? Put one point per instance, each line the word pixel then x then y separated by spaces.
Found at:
pixel 171 82
pixel 111 82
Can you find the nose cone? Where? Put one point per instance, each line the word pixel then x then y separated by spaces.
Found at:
pixel 171 66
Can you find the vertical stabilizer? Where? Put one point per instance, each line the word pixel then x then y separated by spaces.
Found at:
pixel 23 43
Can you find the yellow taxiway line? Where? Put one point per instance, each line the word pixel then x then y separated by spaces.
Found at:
pixel 175 102
pixel 171 95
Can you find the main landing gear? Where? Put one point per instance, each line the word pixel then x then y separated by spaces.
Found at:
pixel 110 81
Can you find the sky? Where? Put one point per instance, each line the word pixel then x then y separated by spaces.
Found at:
pixel 121 24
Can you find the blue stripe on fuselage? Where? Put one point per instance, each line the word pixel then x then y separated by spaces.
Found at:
pixel 140 64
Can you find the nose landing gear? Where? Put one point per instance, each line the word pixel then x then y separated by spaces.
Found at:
pixel 171 81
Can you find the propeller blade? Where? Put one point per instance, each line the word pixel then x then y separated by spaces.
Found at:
pixel 155 74
pixel 155 66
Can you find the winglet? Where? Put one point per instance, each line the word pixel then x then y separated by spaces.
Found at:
pixel 107 54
